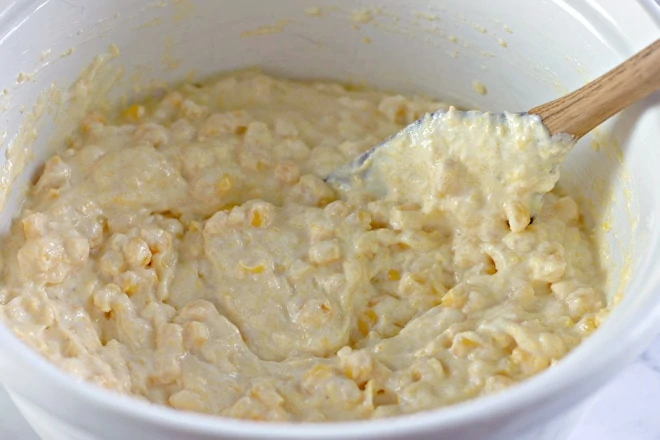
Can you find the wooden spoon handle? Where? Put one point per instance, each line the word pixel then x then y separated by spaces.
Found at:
pixel 581 111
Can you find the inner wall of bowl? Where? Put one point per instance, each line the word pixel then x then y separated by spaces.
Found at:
pixel 434 48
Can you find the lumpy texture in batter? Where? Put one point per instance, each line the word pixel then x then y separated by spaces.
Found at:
pixel 190 251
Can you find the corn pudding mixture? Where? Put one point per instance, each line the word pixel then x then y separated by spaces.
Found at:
pixel 190 252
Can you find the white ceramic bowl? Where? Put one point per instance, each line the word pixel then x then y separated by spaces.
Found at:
pixel 551 47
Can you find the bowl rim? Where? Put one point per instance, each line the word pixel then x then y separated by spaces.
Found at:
pixel 529 393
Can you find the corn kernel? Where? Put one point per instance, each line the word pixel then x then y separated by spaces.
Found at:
pixel 518 356
pixel 462 345
pixel 252 268
pixel 393 275
pixel 34 225
pixel 490 269
pixel 256 219
pixel 318 372
pixel 225 183
pixel 367 321
pixel 188 401
pixel 567 322
pixel 528 362
pixel 196 334
pixel 453 300
pixel 363 327
pixel 134 112
pixel 324 252
pixel 325 201
pixel 91 120
pixel 174 99
pixel 517 215
pixel 129 283
pixel 588 324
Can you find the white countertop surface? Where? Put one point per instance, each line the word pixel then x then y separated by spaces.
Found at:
pixel 628 408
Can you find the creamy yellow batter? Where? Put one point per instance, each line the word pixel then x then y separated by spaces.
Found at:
pixel 190 252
